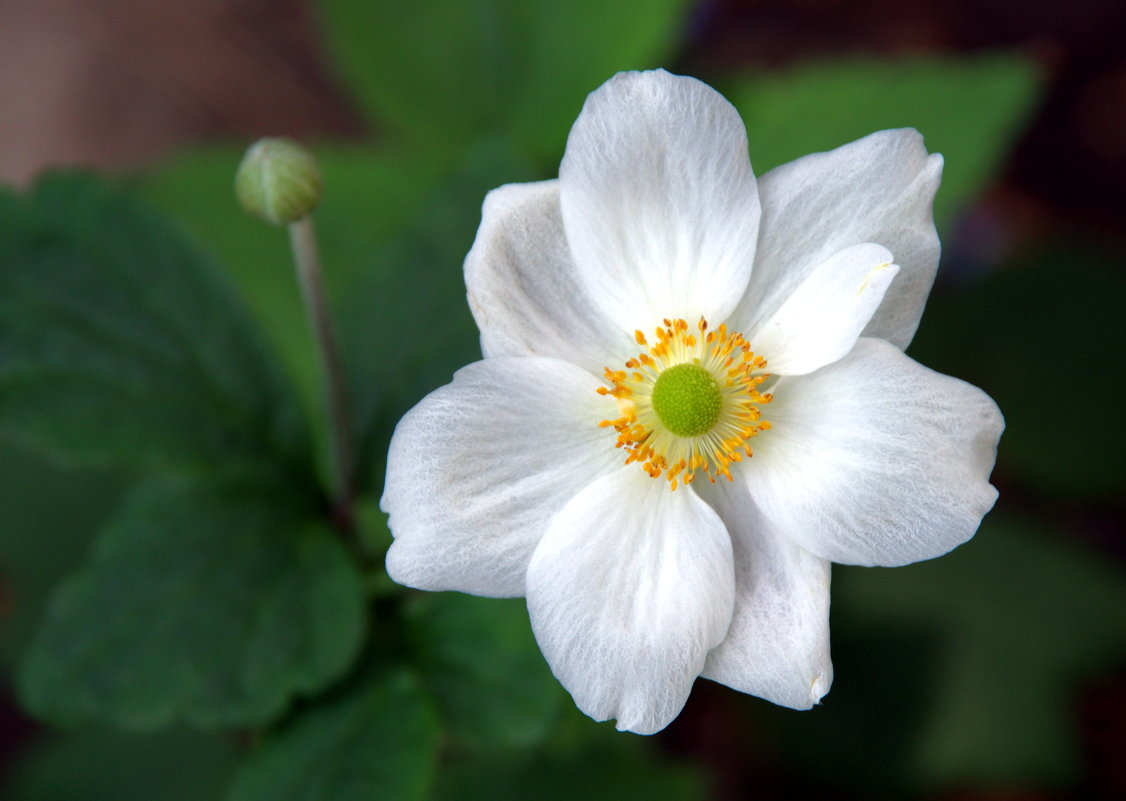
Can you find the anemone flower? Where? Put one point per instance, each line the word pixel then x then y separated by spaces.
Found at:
pixel 693 399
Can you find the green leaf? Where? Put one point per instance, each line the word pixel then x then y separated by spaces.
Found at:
pixel 106 765
pixel 583 760
pixel 205 604
pixel 1024 616
pixel 377 739
pixel 1013 332
pixel 478 658
pixel 968 110
pixel 443 71
pixel 877 704
pixel 120 344
pixel 47 518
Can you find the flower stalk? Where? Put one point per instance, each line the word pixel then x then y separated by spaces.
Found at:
pixel 279 181
pixel 303 240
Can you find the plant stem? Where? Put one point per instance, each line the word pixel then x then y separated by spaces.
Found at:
pixel 303 239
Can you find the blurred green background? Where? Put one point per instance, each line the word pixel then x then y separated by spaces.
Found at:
pixel 158 391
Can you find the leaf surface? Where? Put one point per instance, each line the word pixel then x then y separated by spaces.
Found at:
pixel 377 739
pixel 479 659
pixel 210 604
pixel 1023 615
pixel 121 344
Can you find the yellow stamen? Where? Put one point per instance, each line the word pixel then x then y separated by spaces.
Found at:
pixel 737 372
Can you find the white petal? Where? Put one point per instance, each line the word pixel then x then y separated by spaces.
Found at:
pixel 875 459
pixel 821 321
pixel 523 288
pixel 878 189
pixel 659 202
pixel 478 468
pixel 629 589
pixel 778 645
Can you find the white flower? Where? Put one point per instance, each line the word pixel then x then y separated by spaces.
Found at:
pixel 649 320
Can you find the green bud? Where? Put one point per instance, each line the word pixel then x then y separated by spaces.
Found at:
pixel 278 181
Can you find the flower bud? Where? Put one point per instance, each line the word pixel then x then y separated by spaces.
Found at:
pixel 278 181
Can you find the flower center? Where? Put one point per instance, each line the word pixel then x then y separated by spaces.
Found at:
pixel 689 402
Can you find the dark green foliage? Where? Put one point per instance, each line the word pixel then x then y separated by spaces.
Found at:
pixel 395 236
pixel 377 739
pixel 480 661
pixel 208 604
pixel 582 760
pixel 108 765
pixel 448 72
pixel 968 110
pixel 120 344
pixel 1018 617
pixel 1044 338
pixel 44 535
pixel 370 196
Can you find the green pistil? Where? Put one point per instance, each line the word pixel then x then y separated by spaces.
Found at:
pixel 687 400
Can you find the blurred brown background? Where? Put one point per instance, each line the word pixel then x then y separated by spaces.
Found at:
pixel 117 83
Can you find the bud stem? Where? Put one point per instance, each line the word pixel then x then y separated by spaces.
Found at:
pixel 303 239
